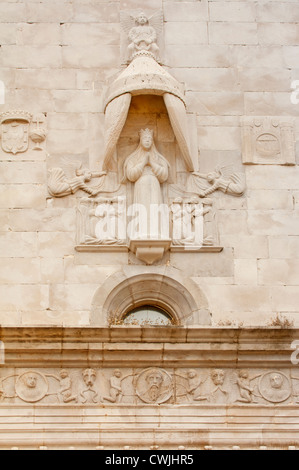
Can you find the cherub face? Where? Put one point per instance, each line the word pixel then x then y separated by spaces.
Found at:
pixel 31 381
pixel 218 377
pixel 276 381
pixel 141 19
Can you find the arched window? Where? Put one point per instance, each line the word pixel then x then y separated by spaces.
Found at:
pixel 147 315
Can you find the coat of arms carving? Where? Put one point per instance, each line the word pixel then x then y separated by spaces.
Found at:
pixel 15 131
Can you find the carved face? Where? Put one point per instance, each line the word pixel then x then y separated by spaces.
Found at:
pixel 89 377
pixel 146 140
pixel 211 177
pixel 117 373
pixel 63 374
pixel 276 381
pixel 218 376
pixel 243 374
pixel 155 379
pixel 31 381
pixel 191 374
pixel 141 19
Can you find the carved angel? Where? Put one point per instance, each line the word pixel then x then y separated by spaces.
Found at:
pixel 222 179
pixel 142 32
pixel 60 185
pixel 246 390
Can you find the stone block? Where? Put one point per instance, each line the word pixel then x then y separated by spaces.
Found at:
pixel 233 33
pixel 186 33
pixel 245 271
pixel 17 298
pixel 66 121
pixel 68 141
pixel 51 270
pixel 278 12
pixel 22 172
pixel 135 4
pixel 55 318
pixel 46 79
pixel 80 274
pixel 278 33
pixel 71 296
pixel 95 56
pixel 290 54
pixel 273 222
pixel 55 244
pixel 237 298
pixel 284 299
pixel 267 79
pixel 74 34
pixel 17 196
pixel 246 246
pixel 286 247
pixel 20 271
pixel 70 101
pixel 232 221
pixel 96 12
pixel 272 177
pixel 12 12
pixel 204 264
pixel 31 56
pixel 186 11
pixel 208 79
pixel 47 220
pixel 197 56
pixel 225 103
pixel 219 138
pixel 20 245
pixel 269 104
pixel 101 259
pixel 269 200
pixel 235 11
pixel 4 220
pixel 283 272
pixel 8 33
pixel 38 34
pixel 260 56
pixel 49 12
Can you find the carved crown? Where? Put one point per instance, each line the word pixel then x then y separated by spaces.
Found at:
pixel 144 132
pixel 15 115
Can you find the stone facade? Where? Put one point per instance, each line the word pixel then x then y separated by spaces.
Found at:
pixel 217 88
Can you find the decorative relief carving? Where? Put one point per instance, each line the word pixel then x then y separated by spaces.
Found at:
pixel 223 179
pixel 17 127
pixel 153 386
pixel 142 33
pixel 268 141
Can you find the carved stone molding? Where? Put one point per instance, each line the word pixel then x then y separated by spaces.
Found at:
pixel 268 141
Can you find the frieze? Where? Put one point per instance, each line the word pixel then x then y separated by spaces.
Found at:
pixel 150 386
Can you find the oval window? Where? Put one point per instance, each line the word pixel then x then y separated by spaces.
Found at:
pixel 147 315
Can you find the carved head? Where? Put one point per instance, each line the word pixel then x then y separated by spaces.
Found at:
pixel 63 374
pixel 89 376
pixel 191 374
pixel 146 138
pixel 217 376
pixel 243 374
pixel 30 381
pixel 117 373
pixel 211 177
pixel 141 18
pixel 276 381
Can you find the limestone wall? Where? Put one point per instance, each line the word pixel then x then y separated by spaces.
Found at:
pixel 236 58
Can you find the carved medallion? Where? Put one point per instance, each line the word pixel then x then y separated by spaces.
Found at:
pixel 275 387
pixel 154 386
pixel 31 386
pixel 15 131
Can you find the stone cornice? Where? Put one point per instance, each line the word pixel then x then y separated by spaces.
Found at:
pixel 140 347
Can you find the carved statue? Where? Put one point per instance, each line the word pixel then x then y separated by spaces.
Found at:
pixel 59 185
pixel 147 169
pixel 115 387
pixel 143 35
pixel 243 380
pixel 221 179
pixel 66 387
pixel 109 226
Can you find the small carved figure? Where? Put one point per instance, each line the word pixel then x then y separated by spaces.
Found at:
pixel 109 222
pixel 59 185
pixel 38 133
pixel 181 222
pixel 143 35
pixel 221 179
pixel 245 389
pixel 275 387
pixel 89 395
pixel 115 387
pixel 66 387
